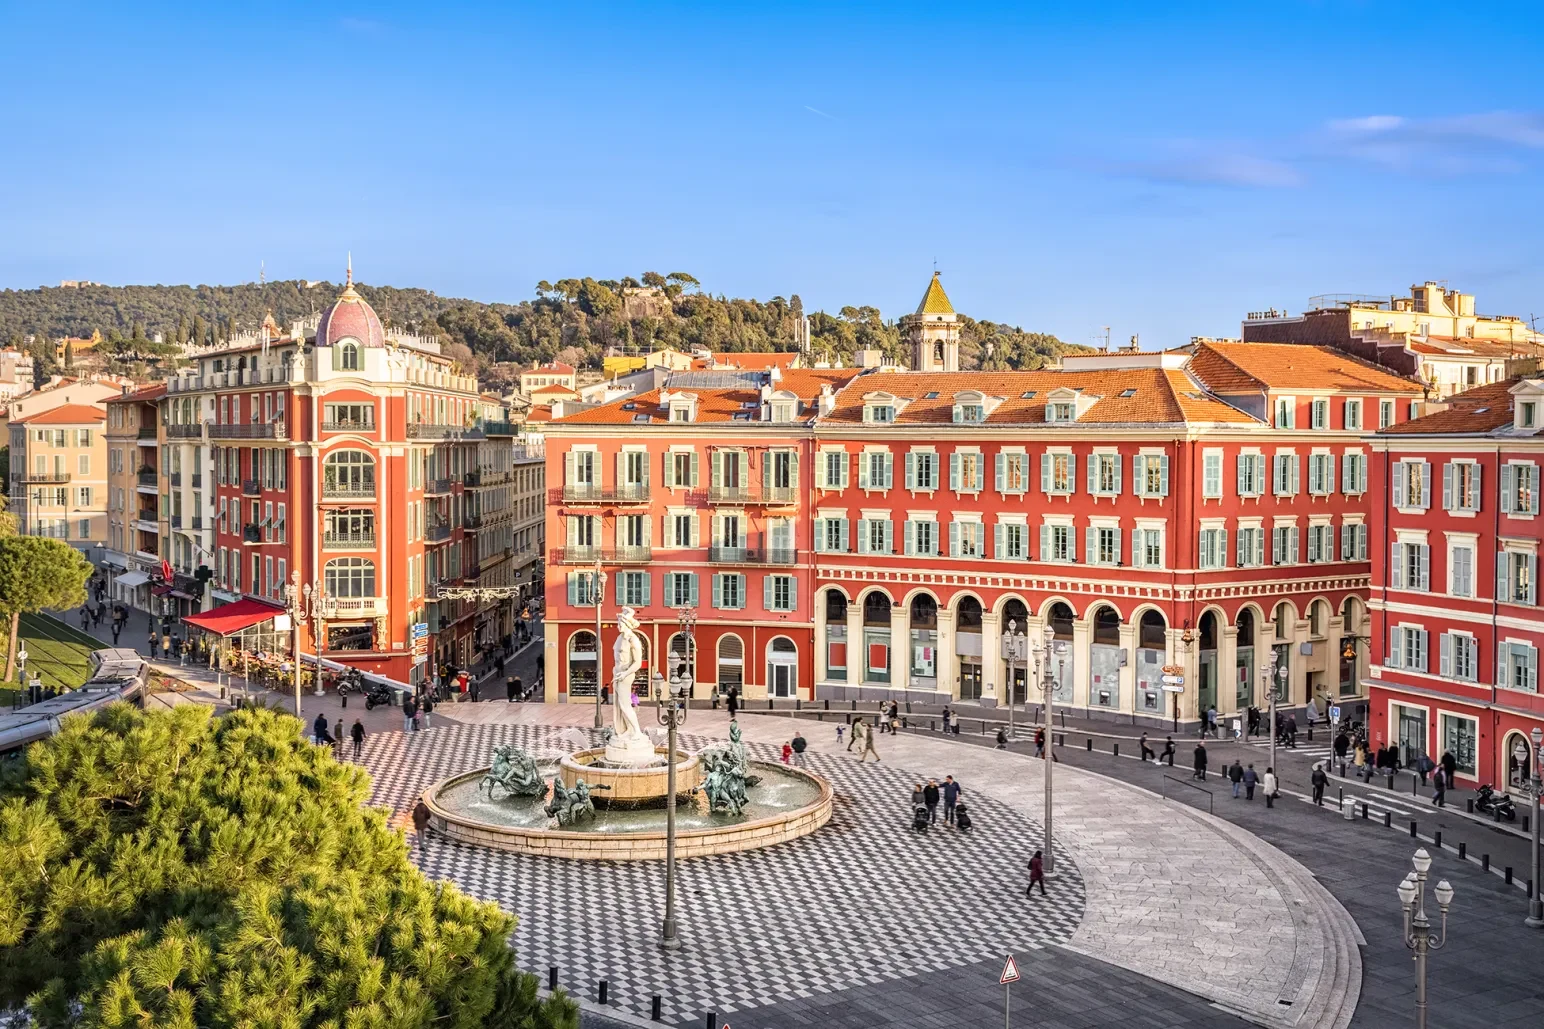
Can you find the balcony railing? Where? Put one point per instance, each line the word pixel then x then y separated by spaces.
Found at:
pixel 175 477
pixel 251 488
pixel 582 493
pixel 752 494
pixel 350 607
pixel 251 533
pixel 198 480
pixel 249 430
pixel 347 425
pixel 500 428
pixel 617 556
pixel 145 432
pixel 752 555
pixel 349 540
pixel 438 485
pixel 437 533
pixel 472 479
pixel 176 521
pixel 426 430
pixel 198 522
pixel 194 431
pixel 348 490
pixel 148 477
pixel 49 477
pixel 149 516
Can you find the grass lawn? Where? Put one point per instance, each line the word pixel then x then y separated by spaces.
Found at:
pixel 55 652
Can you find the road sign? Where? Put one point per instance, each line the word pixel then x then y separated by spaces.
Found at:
pixel 1172 680
pixel 420 629
pixel 1173 669
pixel 1010 972
pixel 1334 712
pixel 1173 687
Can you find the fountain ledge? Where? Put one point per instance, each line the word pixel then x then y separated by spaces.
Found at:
pixel 633 846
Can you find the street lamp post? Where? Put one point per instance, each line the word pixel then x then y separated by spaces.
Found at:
pixel 1535 919
pixel 670 709
pixel 320 606
pixel 1012 650
pixel 296 603
pixel 600 592
pixel 1418 934
pixel 1047 688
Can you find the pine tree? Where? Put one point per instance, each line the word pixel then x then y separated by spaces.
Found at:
pixel 171 868
pixel 198 330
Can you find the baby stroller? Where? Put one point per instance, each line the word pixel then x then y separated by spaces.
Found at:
pixel 961 818
pixel 919 821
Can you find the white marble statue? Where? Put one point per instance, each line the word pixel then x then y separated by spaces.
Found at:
pixel 629 745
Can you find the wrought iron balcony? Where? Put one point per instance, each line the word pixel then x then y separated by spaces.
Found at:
pixel 198 480
pixel 348 425
pixel 251 533
pixel 149 477
pixel 145 432
pixel 176 521
pixel 438 533
pixel 427 430
pixel 193 431
pixel 752 555
pixel 334 490
pixel 44 478
pixel 175 478
pixel 435 487
pixel 251 488
pixel 584 493
pixel 249 430
pixel 349 540
pixel 473 479
pixel 753 494
pixel 500 428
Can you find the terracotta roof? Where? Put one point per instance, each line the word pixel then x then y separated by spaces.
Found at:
pixel 153 392
pixel 715 405
pixel 935 300
pixel 539 414
pixel 67 414
pixel 1463 346
pixel 1253 367
pixel 1157 396
pixel 553 388
pixel 1479 410
pixel 553 366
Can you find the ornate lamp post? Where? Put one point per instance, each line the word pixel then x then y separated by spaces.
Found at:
pixel 670 707
pixel 321 607
pixel 1418 934
pixel 1013 650
pixel 600 592
pixel 295 603
pixel 1047 688
pixel 1535 919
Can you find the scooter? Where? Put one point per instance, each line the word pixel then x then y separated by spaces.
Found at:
pixel 378 695
pixel 1497 805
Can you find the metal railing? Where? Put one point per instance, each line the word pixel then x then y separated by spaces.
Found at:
pixel 145 432
pixel 590 494
pixel 198 522
pixel 349 540
pixel 348 490
pixel 249 430
pixel 176 521
pixel 1163 790
pixel 198 480
pixel 251 488
pixel 48 477
pixel 194 431
pixel 175 478
pixel 437 533
pixel 148 477
pixel 752 555
pixel 471 479
pixel 500 428
pixel 251 533
pixel 752 494
pixel 438 485
pixel 347 425
pixel 426 430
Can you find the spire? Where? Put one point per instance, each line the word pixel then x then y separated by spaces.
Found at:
pixel 935 300
pixel 350 281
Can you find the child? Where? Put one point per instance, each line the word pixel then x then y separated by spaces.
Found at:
pixel 839 730
pixel 787 752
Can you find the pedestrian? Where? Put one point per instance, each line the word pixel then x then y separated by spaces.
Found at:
pixel 895 717
pixel 1449 765
pixel 1360 760
pixel 951 792
pixel 798 743
pixel 1200 761
pixel 475 685
pixel 509 689
pixel 319 734
pixel 1292 732
pixel 1210 725
pixel 954 721
pixel 916 797
pixel 930 797
pixel 85 617
pixel 358 734
pixel 787 752
pixel 857 732
pixel 498 664
pixel 1168 751
pixel 1271 787
pixel 868 745
pixel 1251 779
pixel 115 628
pixel 1040 742
pixel 425 710
pixel 420 823
pixel 1254 720
pixel 1002 737
pixel 1319 780
pixel 732 701
pixel 1439 787
pixel 946 719
pixel 155 643
pixel 1236 777
pixel 1147 752
pixel 1036 875
pixel 839 728
pixel 1423 766
pixel 1342 746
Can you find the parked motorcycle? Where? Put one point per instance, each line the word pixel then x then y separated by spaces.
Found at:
pixel 378 695
pixel 1497 805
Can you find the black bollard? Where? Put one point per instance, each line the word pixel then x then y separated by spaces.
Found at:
pixel 1412 830
pixel 712 1020
pixel 1485 862
pixel 828 704
pixel 344 698
pixel 1469 805
pixel 1364 811
pixel 602 991
pixel 1115 749
pixel 654 1008
pixel 552 977
pixel 1463 850
pixel 1391 780
pixel 1509 875
pixel 1089 744
pixel 1437 838
pixel 1414 789
pixel 798 705
pixel 1388 820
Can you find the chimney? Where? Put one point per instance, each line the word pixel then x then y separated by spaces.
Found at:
pixel 826 402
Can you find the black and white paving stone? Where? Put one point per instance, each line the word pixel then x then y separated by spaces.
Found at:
pixel 862 900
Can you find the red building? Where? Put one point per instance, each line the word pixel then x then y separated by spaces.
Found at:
pixel 1456 622
pixel 1206 510
pixel 343 457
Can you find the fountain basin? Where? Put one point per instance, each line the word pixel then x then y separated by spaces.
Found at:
pixel 792 803
pixel 629 786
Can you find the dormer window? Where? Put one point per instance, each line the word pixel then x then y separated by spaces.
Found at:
pixel 1061 412
pixel 969 414
pixel 680 412
pixel 1528 415
pixel 879 413
pixel 783 410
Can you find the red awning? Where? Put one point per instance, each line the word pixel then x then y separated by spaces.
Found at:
pixel 160 591
pixel 233 617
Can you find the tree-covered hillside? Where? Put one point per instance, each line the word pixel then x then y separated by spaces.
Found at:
pixel 575 320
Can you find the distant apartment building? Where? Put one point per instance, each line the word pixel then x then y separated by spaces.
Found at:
pixel 58 475
pixel 1433 335
pixel 553 373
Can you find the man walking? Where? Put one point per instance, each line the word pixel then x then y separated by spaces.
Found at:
pixel 1319 780
pixel 930 800
pixel 1200 761
pixel 798 744
pixel 1251 777
pixel 420 824
pixel 1168 750
pixel 732 700
pixel 155 645
pixel 358 735
pixel 409 706
pixel 425 709
pixel 951 791
pixel 868 745
pixel 1439 787
pixel 1236 776
pixel 1147 752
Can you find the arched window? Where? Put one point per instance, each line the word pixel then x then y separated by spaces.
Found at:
pixel 1014 611
pixel 1151 631
pixel 782 668
pixel 347 356
pixel 836 635
pixel 731 663
pixel 1107 627
pixel 836 606
pixel 581 664
pixel 1318 616
pixel 967 617
pixel 924 641
pixel 1060 617
pixel 350 577
pixel 876 610
pixel 1152 650
pixel 348 473
pixel 924 612
pixel 683 656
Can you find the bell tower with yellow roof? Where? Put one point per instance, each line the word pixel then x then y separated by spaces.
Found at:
pixel 933 332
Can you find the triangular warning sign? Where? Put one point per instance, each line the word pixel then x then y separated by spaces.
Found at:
pixel 1010 972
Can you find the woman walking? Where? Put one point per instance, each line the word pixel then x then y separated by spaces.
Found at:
pixel 1036 875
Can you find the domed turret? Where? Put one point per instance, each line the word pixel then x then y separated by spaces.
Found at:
pixel 350 317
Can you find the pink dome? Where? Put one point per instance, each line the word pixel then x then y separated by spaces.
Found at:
pixel 350 316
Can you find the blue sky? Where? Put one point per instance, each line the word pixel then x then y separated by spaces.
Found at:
pixel 1069 166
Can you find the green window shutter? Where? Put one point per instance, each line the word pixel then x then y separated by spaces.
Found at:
pixel 846 531
pixel 1091 544
pixel 819 526
pixel 1045 542
pixel 1072 473
pixel 1138 474
pixel 998 533
pixel 863 535
pixel 1243 556
pixel 889 470
pixel 1001 465
pixel 863 471
pixel 1045 473
pixel 1163 475
pixel 889 536
pixel 911 538
pixel 1222 548
pixel 1116 490
pixel 954 472
pixel 692 588
pixel 1243 479
pixel 954 539
pixel 618 579
pixel 573 588
pixel 647 584
pixel 911 471
pixel 696 531
pixel 718 589
pixel 766 592
pixel 717 480
pixel 793 593
pixel 1093 474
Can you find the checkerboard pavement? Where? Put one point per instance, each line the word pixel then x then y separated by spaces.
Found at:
pixel 862 900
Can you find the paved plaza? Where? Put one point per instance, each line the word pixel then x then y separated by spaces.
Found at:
pixel 1210 918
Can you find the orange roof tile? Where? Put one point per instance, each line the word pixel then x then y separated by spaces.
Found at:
pixel 1464 346
pixel 1479 410
pixel 715 404
pixel 67 414
pixel 554 366
pixel 554 388
pixel 539 414
pixel 153 392
pixel 1157 396
pixel 1253 367
pixel 750 361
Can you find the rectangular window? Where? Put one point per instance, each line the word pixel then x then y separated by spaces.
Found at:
pixel 1514 577
pixel 1284 475
pixel 965 472
pixel 1213 552
pixel 874 536
pixel 1147 548
pixel 1011 543
pixel 683 530
pixel 1461 571
pixel 1286 412
pixel 681 589
pixel 1461 486
pixel 1520 488
pixel 1056 543
pixel 1353 473
pixel 1412 485
pixel 729 591
pixel 682 466
pixel 834 467
pixel 785 470
pixel 1385 413
pixel 923 466
pixel 1150 473
pixel 1251 546
pixel 1460 737
pixel 1104 474
pixel 831 535
pixel 1460 656
pixel 1319 414
pixel 1321 474
pixel 1321 543
pixel 1058 472
pixel 1211 475
pixel 924 536
pixel 1107 545
pixel 1353 414
pixel 1284 545
pixel 965 539
pixel 1407 648
pixel 1251 475
pixel 1410 568
pixel 780 590
pixel 1012 473
pixel 634 589
pixel 1519 667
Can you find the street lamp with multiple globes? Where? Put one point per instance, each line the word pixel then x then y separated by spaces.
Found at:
pixel 1268 685
pixel 1013 650
pixel 1535 919
pixel 1048 754
pixel 321 607
pixel 295 603
pixel 670 707
pixel 1418 934
pixel 600 591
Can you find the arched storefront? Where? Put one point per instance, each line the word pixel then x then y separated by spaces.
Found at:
pixel 782 668
pixel 1104 658
pixel 731 663
pixel 1206 670
pixel 582 666
pixel 1015 620
pixel 1059 616
pixel 923 628
pixel 1152 654
pixel 837 650
pixel 1244 661
pixel 876 638
pixel 967 646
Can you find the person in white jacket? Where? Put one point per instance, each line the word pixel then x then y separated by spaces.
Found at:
pixel 1270 787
